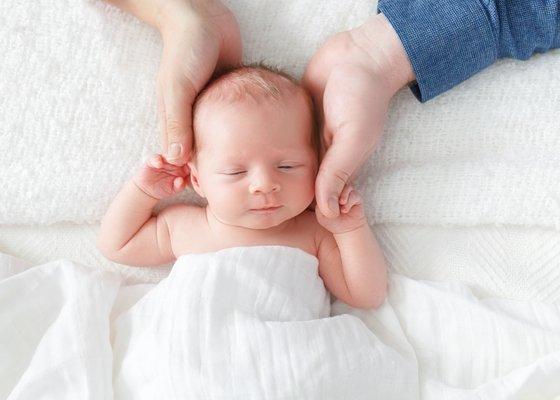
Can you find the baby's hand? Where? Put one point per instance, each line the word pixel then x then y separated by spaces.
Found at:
pixel 160 179
pixel 351 213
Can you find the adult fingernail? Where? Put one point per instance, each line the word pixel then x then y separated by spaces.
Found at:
pixel 174 150
pixel 333 204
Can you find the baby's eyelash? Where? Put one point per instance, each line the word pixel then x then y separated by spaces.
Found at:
pixel 242 172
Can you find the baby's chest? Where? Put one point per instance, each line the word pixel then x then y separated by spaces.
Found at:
pixel 205 242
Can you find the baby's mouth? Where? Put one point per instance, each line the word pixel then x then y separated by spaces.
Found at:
pixel 267 208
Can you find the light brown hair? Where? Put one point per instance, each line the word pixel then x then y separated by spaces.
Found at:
pixel 257 82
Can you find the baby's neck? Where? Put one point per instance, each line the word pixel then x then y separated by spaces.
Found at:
pixel 221 229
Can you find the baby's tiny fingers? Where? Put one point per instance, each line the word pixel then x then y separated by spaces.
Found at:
pixel 177 183
pixel 344 195
pixel 353 199
pixel 155 161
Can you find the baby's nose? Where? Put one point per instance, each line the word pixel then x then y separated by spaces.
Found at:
pixel 264 185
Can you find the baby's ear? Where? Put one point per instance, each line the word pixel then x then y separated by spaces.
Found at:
pixel 194 179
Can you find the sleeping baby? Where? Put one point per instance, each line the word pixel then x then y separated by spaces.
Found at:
pixel 253 257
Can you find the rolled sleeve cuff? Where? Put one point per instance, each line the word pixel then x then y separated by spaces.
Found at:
pixel 446 41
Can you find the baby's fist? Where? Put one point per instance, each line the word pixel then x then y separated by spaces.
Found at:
pixel 160 179
pixel 351 213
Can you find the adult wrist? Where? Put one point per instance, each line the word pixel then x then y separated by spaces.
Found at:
pixel 387 56
pixel 146 10
pixel 174 16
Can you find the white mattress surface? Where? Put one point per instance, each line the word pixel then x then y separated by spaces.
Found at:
pixel 498 261
pixel 484 152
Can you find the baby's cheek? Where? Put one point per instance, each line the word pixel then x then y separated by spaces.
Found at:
pixel 307 193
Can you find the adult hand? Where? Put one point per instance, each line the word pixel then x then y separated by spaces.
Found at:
pixel 352 79
pixel 199 36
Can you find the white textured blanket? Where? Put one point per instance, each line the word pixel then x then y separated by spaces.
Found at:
pixel 78 113
pixel 253 322
pixel 248 323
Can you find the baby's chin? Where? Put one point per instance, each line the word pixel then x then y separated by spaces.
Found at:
pixel 263 225
pixel 263 221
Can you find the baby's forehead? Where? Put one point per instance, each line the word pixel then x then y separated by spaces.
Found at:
pixel 257 83
pixel 248 91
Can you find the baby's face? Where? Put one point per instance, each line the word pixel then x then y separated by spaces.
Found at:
pixel 255 156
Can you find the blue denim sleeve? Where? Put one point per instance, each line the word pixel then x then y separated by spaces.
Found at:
pixel 448 41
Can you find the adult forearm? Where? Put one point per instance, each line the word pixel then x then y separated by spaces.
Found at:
pixel 449 41
pixel 127 213
pixel 364 266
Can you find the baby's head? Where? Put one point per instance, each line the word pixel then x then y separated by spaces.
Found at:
pixel 255 146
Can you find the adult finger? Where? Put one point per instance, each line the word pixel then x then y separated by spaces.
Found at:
pixel 337 168
pixel 176 111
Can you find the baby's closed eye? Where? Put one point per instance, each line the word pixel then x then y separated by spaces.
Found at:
pixel 234 173
pixel 240 172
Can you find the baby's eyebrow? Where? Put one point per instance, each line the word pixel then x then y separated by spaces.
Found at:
pixel 289 155
pixel 230 162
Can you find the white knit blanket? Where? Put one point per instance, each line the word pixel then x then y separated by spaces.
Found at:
pixel 256 323
pixel 78 114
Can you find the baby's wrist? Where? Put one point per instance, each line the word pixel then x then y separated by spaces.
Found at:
pixel 143 191
pixel 358 236
pixel 355 230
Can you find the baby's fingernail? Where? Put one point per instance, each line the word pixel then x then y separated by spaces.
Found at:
pixel 174 150
pixel 333 204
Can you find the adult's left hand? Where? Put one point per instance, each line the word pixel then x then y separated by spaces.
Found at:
pixel 352 79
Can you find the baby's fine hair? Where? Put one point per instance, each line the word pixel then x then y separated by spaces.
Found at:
pixel 258 82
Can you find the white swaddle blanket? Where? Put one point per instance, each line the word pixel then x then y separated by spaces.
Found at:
pixel 253 322
pixel 247 323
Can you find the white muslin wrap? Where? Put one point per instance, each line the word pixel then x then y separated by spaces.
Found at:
pixel 247 323
pixel 256 323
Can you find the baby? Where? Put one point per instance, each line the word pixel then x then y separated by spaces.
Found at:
pixel 255 159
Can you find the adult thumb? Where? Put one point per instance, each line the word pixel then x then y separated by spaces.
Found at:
pixel 337 167
pixel 175 103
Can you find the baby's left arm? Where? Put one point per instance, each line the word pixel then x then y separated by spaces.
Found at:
pixel 351 262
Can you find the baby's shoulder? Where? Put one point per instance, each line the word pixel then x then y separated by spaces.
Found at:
pixel 182 214
pixel 307 224
pixel 187 227
pixel 314 229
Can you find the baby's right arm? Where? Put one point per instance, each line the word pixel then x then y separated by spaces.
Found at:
pixel 129 233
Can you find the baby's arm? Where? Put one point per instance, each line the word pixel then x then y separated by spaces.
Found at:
pixel 351 262
pixel 353 268
pixel 129 233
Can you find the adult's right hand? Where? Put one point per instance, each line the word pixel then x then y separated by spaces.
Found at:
pixel 199 36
